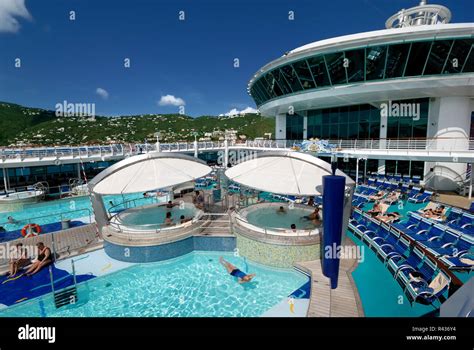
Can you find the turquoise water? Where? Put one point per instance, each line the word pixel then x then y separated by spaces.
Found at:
pixel 71 208
pixel 380 294
pixel 192 285
pixel 154 217
pixel 269 218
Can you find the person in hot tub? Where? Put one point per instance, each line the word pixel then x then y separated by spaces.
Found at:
pixel 315 217
pixel 242 277
pixel 281 210
pixel 168 219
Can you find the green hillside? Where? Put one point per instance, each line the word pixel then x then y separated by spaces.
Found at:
pixel 31 126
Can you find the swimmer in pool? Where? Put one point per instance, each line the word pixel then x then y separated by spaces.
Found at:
pixel 170 204
pixel 234 271
pixel 281 210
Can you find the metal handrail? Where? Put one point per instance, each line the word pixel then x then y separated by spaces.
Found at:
pixel 439 143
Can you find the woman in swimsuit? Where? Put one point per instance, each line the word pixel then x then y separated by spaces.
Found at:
pixel 242 277
pixel 44 258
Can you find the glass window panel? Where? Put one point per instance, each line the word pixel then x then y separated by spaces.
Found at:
pixel 374 114
pixel 439 54
pixel 261 89
pixel 334 131
pixel 343 127
pixel 281 82
pixel 418 55
pixel 273 85
pixel 265 88
pixel 325 131
pixel 354 114
pixel 374 130
pixel 353 131
pixel 290 76
pixel 458 55
pixel 326 116
pixel 355 71
pixel 469 65
pixel 256 95
pixel 335 62
pixel 364 114
pixel 375 62
pixel 397 57
pixel 364 130
pixel 318 68
pixel 344 115
pixel 392 131
pixel 303 72
pixel 334 115
pixel 405 127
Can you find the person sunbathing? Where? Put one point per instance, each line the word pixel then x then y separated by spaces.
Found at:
pixel 378 196
pixel 19 260
pixel 44 259
pixel 389 217
pixel 436 213
pixel 376 210
pixel 392 196
pixel 242 277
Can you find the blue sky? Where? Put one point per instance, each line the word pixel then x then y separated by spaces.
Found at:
pixel 191 61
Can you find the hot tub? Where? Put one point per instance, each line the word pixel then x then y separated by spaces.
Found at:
pixel 266 218
pixel 265 236
pixel 152 217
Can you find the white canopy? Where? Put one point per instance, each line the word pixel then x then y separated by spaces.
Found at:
pixel 291 173
pixel 148 172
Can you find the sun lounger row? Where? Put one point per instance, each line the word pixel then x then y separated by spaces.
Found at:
pixel 396 178
pixel 418 274
pixel 358 200
pixel 451 247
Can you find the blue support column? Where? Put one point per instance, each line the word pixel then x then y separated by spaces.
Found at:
pixel 333 212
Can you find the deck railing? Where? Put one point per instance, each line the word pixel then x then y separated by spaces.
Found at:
pixel 123 150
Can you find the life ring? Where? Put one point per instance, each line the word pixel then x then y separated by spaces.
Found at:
pixel 35 230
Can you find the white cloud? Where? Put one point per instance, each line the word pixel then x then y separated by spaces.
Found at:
pixel 102 93
pixel 9 10
pixel 170 100
pixel 235 111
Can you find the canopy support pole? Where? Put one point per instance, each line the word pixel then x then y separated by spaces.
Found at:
pixel 196 149
pixel 357 170
pixel 226 153
pixel 470 183
pixel 5 180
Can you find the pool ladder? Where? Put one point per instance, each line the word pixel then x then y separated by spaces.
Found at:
pixel 67 295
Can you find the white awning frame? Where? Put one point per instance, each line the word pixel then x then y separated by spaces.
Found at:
pixel 323 166
pixel 128 162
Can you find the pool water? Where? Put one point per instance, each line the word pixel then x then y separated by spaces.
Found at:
pixel 68 208
pixel 192 285
pixel 380 293
pixel 154 217
pixel 269 218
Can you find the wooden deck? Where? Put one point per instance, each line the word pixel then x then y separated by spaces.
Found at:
pixel 343 301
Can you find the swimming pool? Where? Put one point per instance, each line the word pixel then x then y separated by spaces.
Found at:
pixel 67 208
pixel 268 217
pixel 192 285
pixel 153 217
